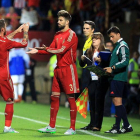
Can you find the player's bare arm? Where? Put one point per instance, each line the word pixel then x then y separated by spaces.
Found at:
pixel 11 35
pixel 25 30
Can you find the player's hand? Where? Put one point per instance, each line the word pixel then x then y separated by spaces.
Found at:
pixel 98 59
pixel 20 29
pixel 108 70
pixel 26 27
pixel 41 48
pixel 32 51
pixel 82 57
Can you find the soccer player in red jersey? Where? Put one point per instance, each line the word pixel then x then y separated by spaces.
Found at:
pixel 65 79
pixel 6 85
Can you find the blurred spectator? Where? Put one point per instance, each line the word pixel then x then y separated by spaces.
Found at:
pixel 8 25
pixel 137 8
pixel 116 13
pixel 109 45
pixel 2 13
pixel 33 3
pixel 18 62
pixel 84 9
pixel 127 8
pixel 14 18
pixel 135 39
pixel 52 14
pixel 100 16
pixel 6 4
pixel 45 6
pixel 29 79
pixel 134 81
pixel 19 5
pixel 29 15
pixel 72 7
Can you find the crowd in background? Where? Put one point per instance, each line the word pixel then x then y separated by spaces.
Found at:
pixel 42 14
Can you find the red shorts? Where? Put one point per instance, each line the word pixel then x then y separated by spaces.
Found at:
pixel 6 89
pixel 66 80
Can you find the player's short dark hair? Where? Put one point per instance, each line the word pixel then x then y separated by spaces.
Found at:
pixel 91 23
pixel 65 14
pixel 2 24
pixel 114 29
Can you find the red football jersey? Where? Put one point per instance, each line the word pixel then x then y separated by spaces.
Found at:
pixel 64 45
pixel 5 45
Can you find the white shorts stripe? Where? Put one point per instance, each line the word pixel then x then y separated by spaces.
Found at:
pixel 73 78
pixel 10 82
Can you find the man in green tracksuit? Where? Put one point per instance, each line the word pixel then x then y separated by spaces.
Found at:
pixel 119 69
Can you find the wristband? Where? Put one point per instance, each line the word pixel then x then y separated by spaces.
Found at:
pixel 112 68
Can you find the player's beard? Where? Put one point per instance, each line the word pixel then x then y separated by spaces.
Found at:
pixel 61 27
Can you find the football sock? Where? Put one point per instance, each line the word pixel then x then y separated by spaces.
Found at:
pixel 8 114
pixel 54 109
pixel 124 117
pixel 118 115
pixel 73 112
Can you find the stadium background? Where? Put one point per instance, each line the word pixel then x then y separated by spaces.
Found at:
pixel 123 13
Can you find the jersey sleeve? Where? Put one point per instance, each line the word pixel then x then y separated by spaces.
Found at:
pixel 124 58
pixel 69 41
pixel 52 46
pixel 13 44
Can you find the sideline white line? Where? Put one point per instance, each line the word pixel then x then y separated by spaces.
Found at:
pixel 40 122
pixel 31 120
pixel 63 118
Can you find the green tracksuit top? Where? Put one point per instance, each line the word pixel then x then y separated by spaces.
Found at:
pixel 120 59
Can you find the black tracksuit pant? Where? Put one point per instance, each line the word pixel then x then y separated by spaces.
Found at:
pixel 97 91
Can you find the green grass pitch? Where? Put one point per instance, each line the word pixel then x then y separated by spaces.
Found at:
pixel 28 118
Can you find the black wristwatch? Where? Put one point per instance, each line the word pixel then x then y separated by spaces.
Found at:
pixel 112 68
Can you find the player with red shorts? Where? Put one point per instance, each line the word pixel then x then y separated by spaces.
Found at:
pixel 6 84
pixel 65 79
